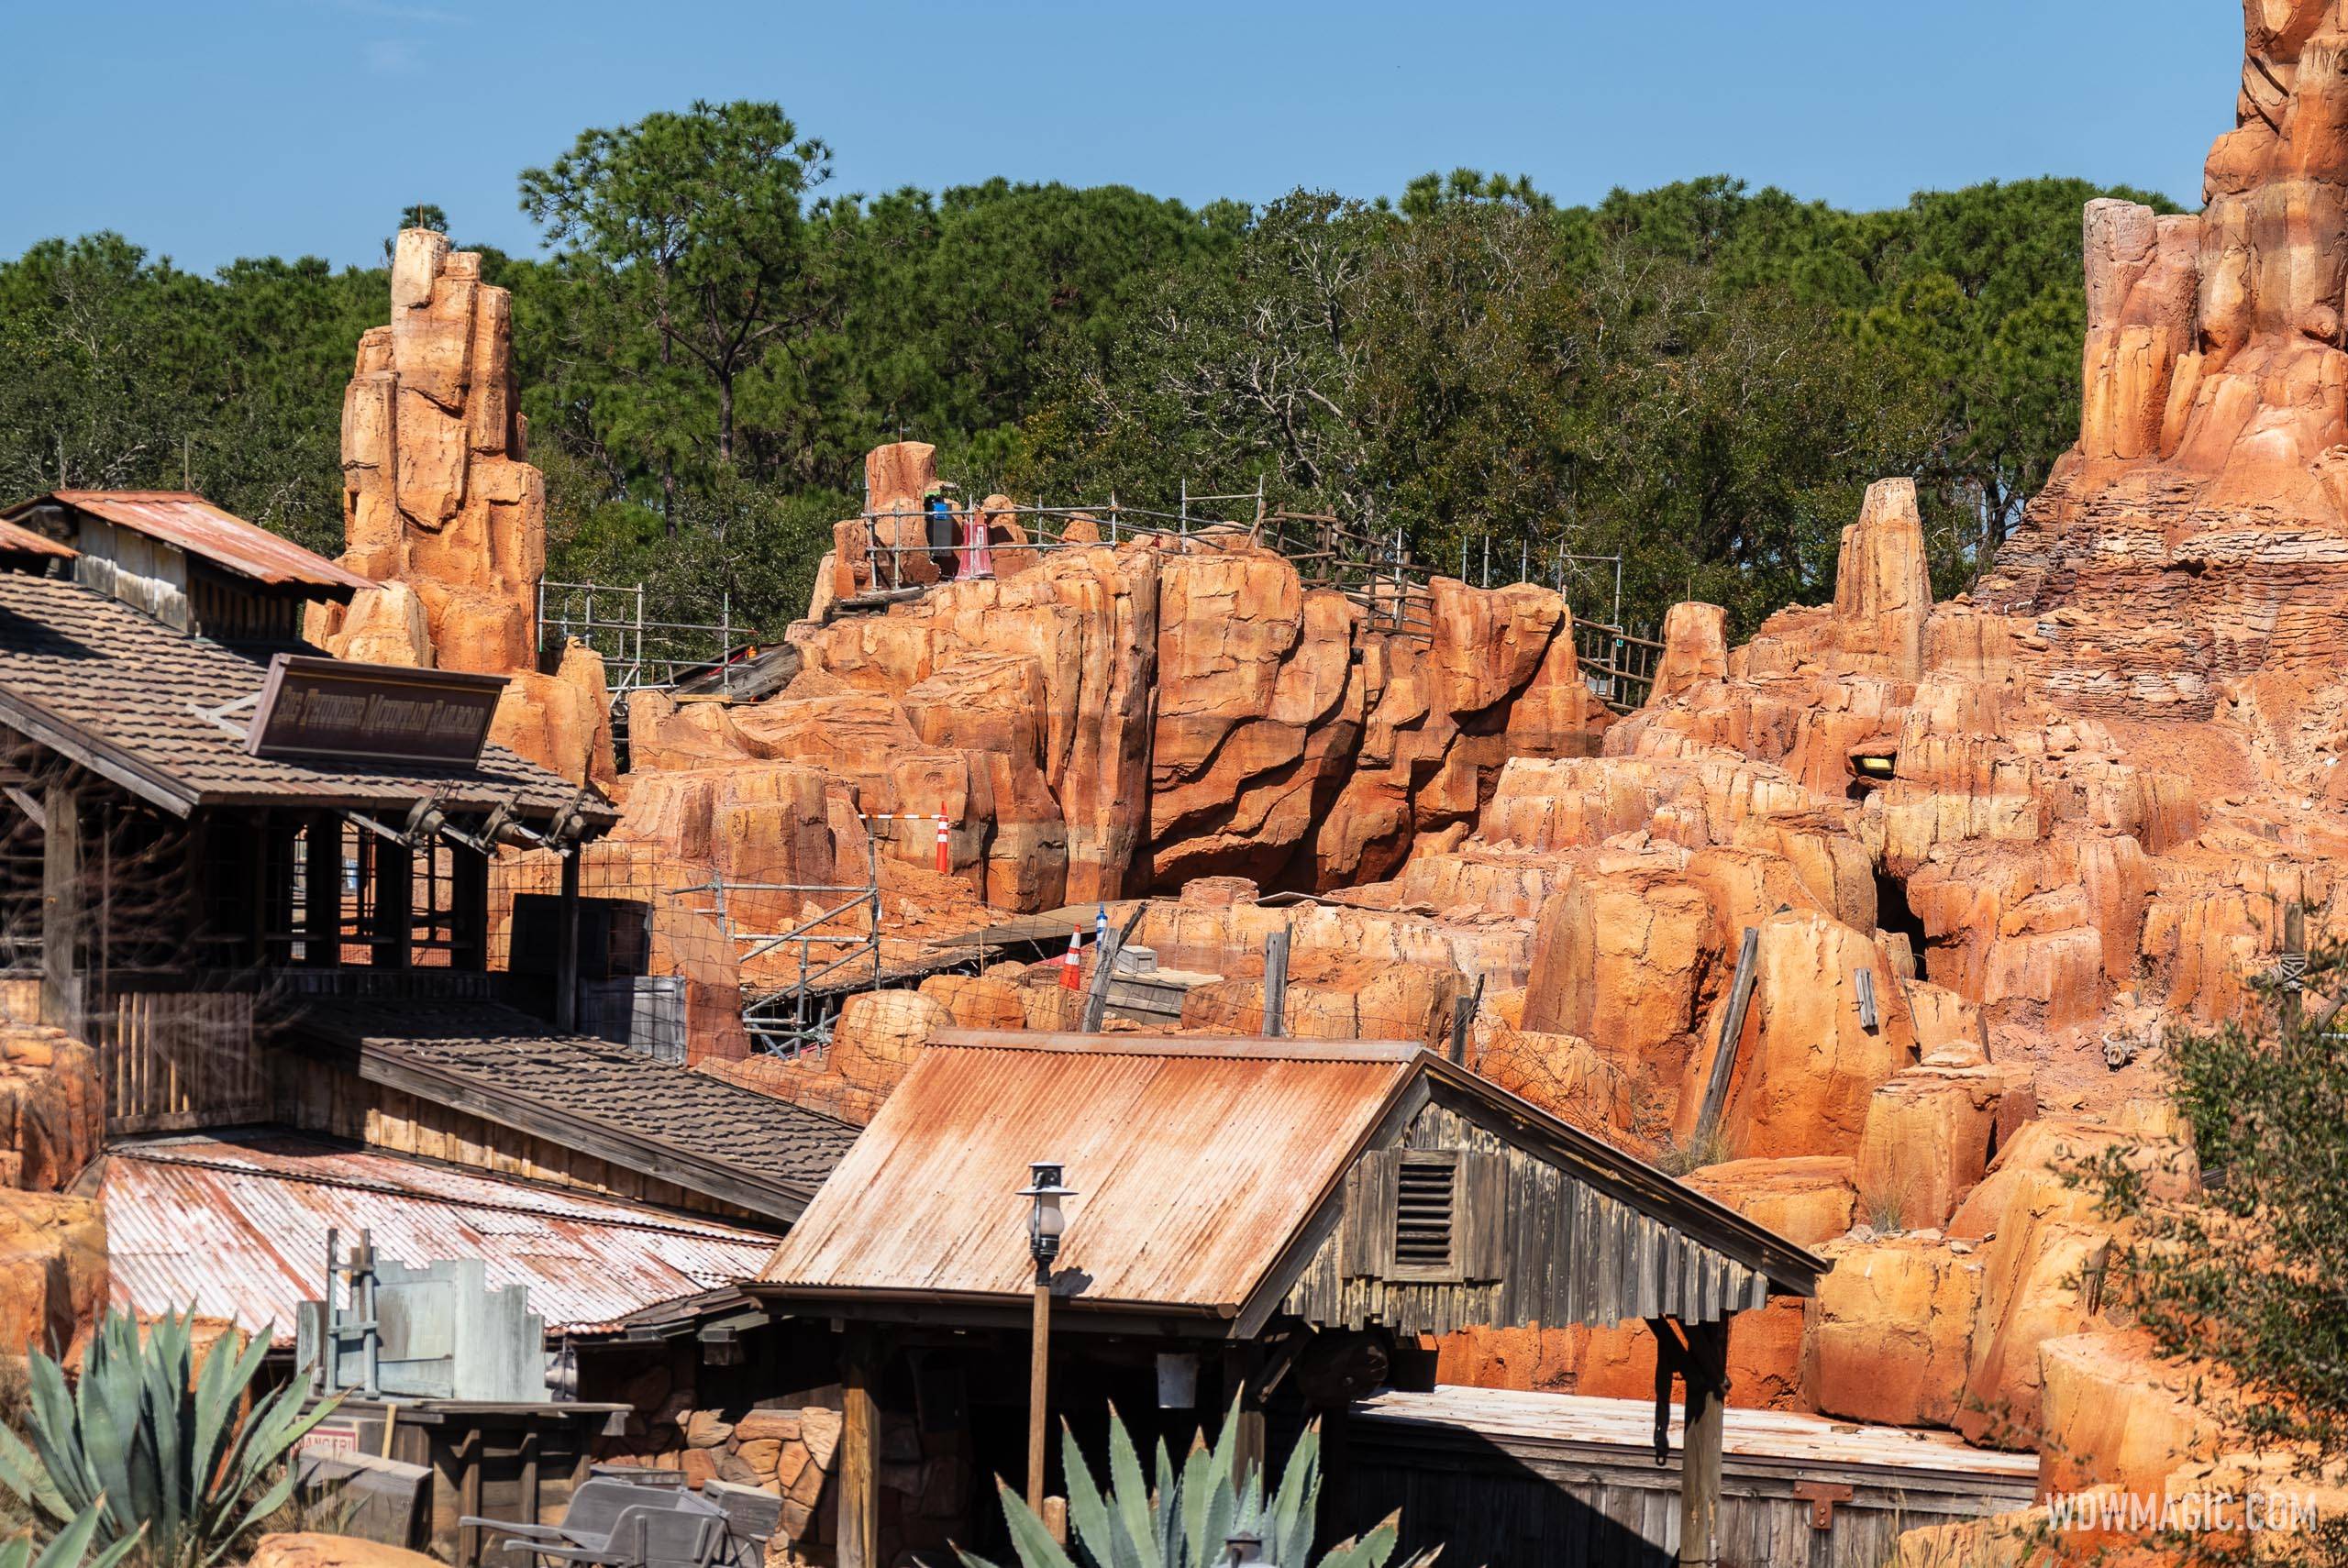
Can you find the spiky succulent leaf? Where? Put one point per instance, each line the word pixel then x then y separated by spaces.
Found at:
pixel 1130 1498
pixel 1190 1511
pixel 22 1473
pixel 1098 1531
pixel 1029 1537
pixel 1289 1538
pixel 1221 1517
pixel 1168 1503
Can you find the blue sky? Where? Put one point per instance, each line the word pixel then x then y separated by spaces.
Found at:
pixel 212 128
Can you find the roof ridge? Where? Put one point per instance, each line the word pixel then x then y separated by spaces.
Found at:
pixel 1193 1047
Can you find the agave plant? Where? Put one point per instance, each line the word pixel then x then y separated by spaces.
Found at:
pixel 143 1441
pixel 1192 1514
pixel 68 1548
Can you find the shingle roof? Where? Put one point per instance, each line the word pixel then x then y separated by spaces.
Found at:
pixel 700 1132
pixel 236 1223
pixel 185 519
pixel 119 692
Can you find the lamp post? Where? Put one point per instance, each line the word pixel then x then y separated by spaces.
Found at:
pixel 1043 1227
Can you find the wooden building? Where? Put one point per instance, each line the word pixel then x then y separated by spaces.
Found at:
pixel 1279 1220
pixel 1496 1476
pixel 260 883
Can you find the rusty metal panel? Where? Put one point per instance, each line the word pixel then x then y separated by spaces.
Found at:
pixel 1195 1163
pixel 202 529
pixel 17 540
pixel 237 1228
pixel 1199 1162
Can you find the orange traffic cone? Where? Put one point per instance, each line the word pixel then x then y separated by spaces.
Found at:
pixel 945 847
pixel 1071 966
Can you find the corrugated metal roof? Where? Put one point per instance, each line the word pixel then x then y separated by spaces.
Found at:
pixel 183 518
pixel 237 1225
pixel 1198 1162
pixel 1194 1160
pixel 16 540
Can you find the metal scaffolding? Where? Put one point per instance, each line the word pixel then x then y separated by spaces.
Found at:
pixel 639 653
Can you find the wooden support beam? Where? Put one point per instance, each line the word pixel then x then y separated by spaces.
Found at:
pixel 61 911
pixel 1250 1444
pixel 1705 1369
pixel 322 892
pixel 1463 1019
pixel 860 1449
pixel 1276 983
pixel 469 909
pixel 393 935
pixel 253 899
pixel 1740 997
pixel 1104 963
pixel 566 959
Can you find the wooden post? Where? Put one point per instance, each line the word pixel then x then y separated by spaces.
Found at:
pixel 322 892
pixel 566 957
pixel 860 1451
pixel 1104 961
pixel 1249 1444
pixel 261 860
pixel 469 909
pixel 468 1497
pixel 1276 983
pixel 393 935
pixel 1463 1018
pixel 1740 997
pixel 1040 1365
pixel 1706 1369
pixel 61 911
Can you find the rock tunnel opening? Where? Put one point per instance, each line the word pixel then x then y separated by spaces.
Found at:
pixel 1892 912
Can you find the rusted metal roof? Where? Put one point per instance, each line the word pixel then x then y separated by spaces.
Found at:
pixel 1194 1160
pixel 185 519
pixel 20 541
pixel 1201 1165
pixel 1530 1423
pixel 236 1224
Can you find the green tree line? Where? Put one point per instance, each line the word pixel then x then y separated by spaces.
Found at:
pixel 1701 377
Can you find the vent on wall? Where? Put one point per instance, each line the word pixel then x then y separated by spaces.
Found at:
pixel 1425 1207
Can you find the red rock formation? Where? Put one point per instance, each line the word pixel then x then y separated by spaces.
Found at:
pixel 443 510
pixel 437 494
pixel 52 1270
pixel 52 1110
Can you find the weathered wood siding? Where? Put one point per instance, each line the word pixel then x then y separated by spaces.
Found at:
pixel 144 573
pixel 1514 1504
pixel 1566 1252
pixel 175 1060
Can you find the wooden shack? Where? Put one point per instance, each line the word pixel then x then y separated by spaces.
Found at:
pixel 259 881
pixel 1281 1219
pixel 1504 1477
